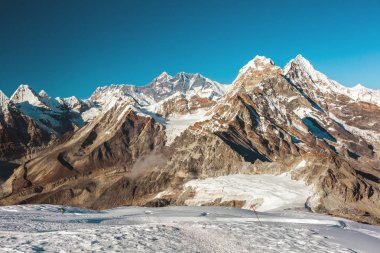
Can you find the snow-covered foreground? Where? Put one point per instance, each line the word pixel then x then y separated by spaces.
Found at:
pixel 36 228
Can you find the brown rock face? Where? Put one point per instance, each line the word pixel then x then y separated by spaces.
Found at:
pixel 19 134
pixel 75 170
pixel 344 191
pixel 31 122
pixel 180 105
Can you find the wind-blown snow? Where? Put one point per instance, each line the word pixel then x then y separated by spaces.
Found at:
pixel 38 228
pixel 265 192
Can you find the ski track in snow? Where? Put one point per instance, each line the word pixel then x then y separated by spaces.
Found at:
pixel 37 228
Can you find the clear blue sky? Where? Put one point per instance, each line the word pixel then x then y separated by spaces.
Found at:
pixel 69 47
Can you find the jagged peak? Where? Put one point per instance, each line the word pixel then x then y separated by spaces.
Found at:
pixel 163 77
pixel 188 75
pixel 179 76
pixel 324 84
pixel 307 67
pixel 72 102
pixel 164 74
pixel 305 64
pixel 263 59
pixel 25 93
pixel 43 94
pixel 257 63
pixel 24 88
pixel 71 99
pixel 112 88
pixel 300 58
pixel 183 74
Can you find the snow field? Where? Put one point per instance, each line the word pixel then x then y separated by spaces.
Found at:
pixel 265 192
pixel 37 228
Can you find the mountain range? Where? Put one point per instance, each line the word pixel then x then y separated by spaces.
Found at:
pixel 141 145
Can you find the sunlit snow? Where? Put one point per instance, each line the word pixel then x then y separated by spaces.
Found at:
pixel 39 228
pixel 265 192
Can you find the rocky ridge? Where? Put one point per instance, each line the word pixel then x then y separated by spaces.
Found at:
pixel 270 120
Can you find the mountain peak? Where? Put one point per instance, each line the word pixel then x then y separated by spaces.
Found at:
pixel 305 66
pixel 43 94
pixel 359 86
pixel 163 77
pixel 164 74
pixel 71 100
pixel 259 58
pixel 183 74
pixel 257 64
pixel 304 63
pixel 73 103
pixel 25 94
pixel 300 58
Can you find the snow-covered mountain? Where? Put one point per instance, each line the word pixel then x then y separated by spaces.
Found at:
pixel 189 85
pixel 141 145
pixel 24 94
pixel 324 84
pixel 75 104
pixel 181 94
pixel 161 88
pixel 47 113
pixel 32 121
pixel 361 93
pixel 60 116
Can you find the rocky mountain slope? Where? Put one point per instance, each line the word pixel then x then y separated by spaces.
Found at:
pixel 139 145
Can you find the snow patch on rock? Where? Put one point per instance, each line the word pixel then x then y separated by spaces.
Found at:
pixel 175 125
pixel 258 63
